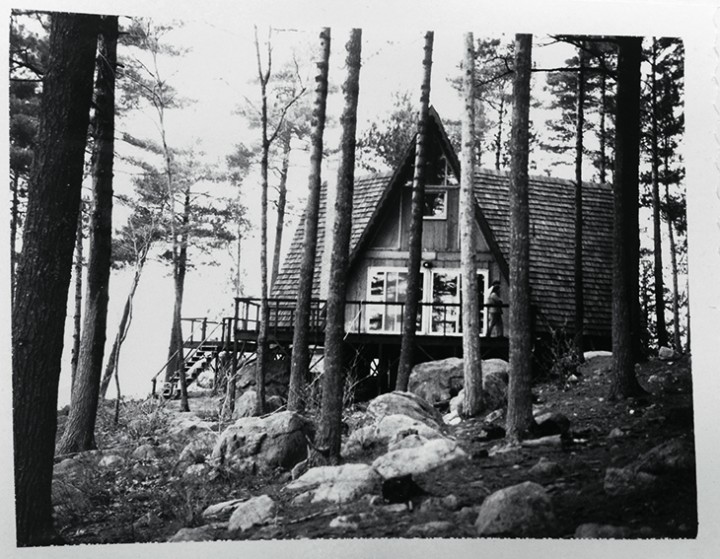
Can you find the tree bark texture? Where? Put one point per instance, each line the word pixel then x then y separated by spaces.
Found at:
pixel 579 285
pixel 77 316
pixel 412 293
pixel 14 220
pixel 519 414
pixel 662 337
pixel 300 362
pixel 262 342
pixel 281 203
pixel 79 432
pixel 180 269
pixel 327 439
pixel 43 275
pixel 625 303
pixel 472 362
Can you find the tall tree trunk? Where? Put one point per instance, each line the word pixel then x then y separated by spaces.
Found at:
pixel 412 293
pixel 677 341
pixel 262 342
pixel 77 316
pixel 579 285
pixel 625 303
pixel 472 362
pixel 662 338
pixel 603 132
pixel 327 439
pixel 14 219
pixel 282 201
pixel 125 319
pixel 300 363
pixel 519 413
pixel 179 281
pixel 43 274
pixel 79 431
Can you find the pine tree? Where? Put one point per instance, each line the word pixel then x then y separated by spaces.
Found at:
pixel 519 413
pixel 43 274
pixel 327 440
pixel 472 362
pixel 625 301
pixel 300 363
pixel 79 431
pixel 412 293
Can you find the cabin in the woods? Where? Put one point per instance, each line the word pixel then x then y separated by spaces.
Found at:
pixel 379 257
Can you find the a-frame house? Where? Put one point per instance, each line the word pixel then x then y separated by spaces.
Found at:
pixel 379 254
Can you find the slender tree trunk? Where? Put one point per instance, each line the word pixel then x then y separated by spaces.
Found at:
pixel 262 343
pixel 14 219
pixel 625 304
pixel 125 319
pixel 603 132
pixel 519 414
pixel 662 338
pixel 77 316
pixel 79 431
pixel 327 439
pixel 579 284
pixel 300 363
pixel 412 293
pixel 498 137
pixel 472 362
pixel 282 201
pixel 677 341
pixel 179 277
pixel 43 274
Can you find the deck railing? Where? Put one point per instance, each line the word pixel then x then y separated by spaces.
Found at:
pixel 367 317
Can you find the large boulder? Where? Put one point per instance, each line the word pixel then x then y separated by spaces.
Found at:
pixel 418 459
pixel 519 510
pixel 253 512
pixel 200 534
pixel 277 377
pixel 254 443
pixel 389 431
pixel 439 381
pixel 495 386
pixel 405 403
pixel 335 484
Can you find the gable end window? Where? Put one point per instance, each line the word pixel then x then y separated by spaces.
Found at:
pixel 435 204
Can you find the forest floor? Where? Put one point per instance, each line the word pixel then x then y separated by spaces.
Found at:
pixel 131 505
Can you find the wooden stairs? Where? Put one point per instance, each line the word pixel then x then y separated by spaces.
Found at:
pixel 197 361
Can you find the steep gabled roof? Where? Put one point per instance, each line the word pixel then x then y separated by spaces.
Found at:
pixel 552 229
pixel 551 240
pixel 367 196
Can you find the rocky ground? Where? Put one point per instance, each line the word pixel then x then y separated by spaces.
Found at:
pixel 596 469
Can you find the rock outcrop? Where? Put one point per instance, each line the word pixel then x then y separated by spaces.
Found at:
pixel 254 443
pixel 519 510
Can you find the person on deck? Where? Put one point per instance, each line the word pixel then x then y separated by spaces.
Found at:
pixel 494 302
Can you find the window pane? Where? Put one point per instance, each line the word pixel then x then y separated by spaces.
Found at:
pixel 434 204
pixel 377 284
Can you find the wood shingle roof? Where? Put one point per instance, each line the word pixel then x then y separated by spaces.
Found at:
pixel 551 242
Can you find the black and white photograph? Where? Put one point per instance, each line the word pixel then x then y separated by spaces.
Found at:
pixel 352 279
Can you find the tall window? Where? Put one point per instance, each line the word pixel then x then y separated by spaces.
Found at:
pixel 388 285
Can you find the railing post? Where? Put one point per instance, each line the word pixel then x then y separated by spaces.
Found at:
pixel 204 328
